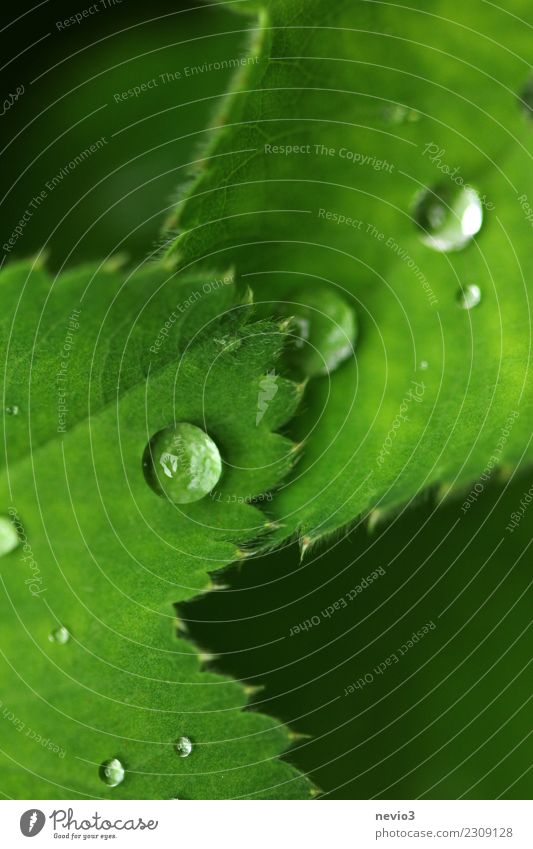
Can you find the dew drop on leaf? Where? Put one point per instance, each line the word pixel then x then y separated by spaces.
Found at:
pixel 324 328
pixel 60 635
pixel 9 539
pixel 423 365
pixel 14 410
pixel 112 772
pixel 448 217
pixel 182 462
pixel 469 296
pixel 183 746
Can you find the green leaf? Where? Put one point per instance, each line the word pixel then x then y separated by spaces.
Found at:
pixel 362 93
pixel 376 713
pixel 92 667
pixel 350 111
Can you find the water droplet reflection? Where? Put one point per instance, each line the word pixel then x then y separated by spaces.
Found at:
pixel 60 635
pixel 9 538
pixel 469 296
pixel 183 746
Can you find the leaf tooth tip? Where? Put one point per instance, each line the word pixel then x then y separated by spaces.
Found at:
pixel 247 296
pixel 252 690
pixel 297 447
pixel 504 472
pixel 271 525
pixel 169 263
pixel 297 736
pixel 211 587
pixel 444 491
pixel 305 543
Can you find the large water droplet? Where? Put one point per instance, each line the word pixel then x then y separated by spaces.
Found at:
pixel 325 329
pixel 448 216
pixel 182 462
pixel 60 635
pixel 14 410
pixel 469 296
pixel 9 538
pixel 112 772
pixel 183 746
pixel 375 519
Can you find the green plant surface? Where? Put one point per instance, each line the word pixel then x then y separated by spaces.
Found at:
pixel 105 557
pixel 380 83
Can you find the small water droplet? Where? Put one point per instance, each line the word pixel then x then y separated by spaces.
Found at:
pixel 112 772
pixel 324 327
pixel 469 296
pixel 448 216
pixel 423 365
pixel 14 410
pixel 183 746
pixel 9 538
pixel 182 462
pixel 526 98
pixel 60 635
